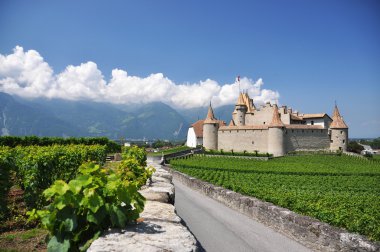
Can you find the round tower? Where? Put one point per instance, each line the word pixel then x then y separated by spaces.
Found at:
pixel 210 131
pixel 241 110
pixel 338 132
pixel 276 144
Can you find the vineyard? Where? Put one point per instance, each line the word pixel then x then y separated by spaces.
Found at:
pixel 341 190
pixel 66 190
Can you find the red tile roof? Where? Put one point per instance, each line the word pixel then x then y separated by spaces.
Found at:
pixel 210 118
pixel 276 121
pixel 338 122
pixel 198 128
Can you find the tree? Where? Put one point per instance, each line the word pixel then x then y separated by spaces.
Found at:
pixel 353 146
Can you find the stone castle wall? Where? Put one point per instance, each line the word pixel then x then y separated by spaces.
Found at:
pixel 306 139
pixel 243 140
pixel 260 117
pixel 210 133
pixel 257 139
pixel 339 139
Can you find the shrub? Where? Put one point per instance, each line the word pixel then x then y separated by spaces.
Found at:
pixel 97 199
pixel 6 165
pixel 39 166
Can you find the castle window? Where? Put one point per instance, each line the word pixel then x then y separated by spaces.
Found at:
pixel 344 141
pixel 292 131
pixel 341 132
pixel 263 122
pixel 253 142
pixel 312 122
pixel 331 141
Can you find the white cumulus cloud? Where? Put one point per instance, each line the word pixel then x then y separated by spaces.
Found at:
pixel 25 73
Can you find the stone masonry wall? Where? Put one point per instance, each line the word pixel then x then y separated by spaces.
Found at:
pixel 243 140
pixel 306 139
pixel 160 229
pixel 308 231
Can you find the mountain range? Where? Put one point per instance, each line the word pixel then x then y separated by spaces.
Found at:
pixel 56 117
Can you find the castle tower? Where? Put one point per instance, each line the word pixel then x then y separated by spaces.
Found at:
pixel 338 132
pixel 210 131
pixel 240 109
pixel 276 135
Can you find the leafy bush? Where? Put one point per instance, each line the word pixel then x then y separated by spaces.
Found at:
pixel 97 199
pixel 133 166
pixel 6 165
pixel 353 146
pixel 37 167
pixel 136 153
pixel 13 141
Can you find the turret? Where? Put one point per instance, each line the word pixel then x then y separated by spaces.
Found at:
pixel 338 132
pixel 241 110
pixel 276 135
pixel 210 131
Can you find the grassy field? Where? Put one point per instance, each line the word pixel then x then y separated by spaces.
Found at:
pixel 341 190
pixel 168 151
pixel 23 240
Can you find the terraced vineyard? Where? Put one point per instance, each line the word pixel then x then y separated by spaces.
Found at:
pixel 341 190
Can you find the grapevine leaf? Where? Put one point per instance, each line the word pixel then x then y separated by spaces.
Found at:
pixel 118 217
pixel 58 246
pixel 60 187
pixel 97 217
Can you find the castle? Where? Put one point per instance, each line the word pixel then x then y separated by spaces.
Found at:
pixel 270 129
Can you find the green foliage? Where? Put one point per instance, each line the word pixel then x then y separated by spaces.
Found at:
pixel 353 146
pixel 37 167
pixel 341 190
pixel 160 144
pixel 133 166
pixel 6 165
pixel 97 199
pixel 13 141
pixel 170 151
pixel 234 153
pixel 374 143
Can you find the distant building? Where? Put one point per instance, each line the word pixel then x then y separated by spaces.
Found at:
pixel 195 133
pixel 270 129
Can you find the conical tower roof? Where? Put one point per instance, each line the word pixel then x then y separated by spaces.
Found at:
pixel 240 100
pixel 276 120
pixel 338 122
pixel 210 118
pixel 232 123
pixel 247 102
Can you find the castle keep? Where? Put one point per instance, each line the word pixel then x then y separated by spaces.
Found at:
pixel 274 130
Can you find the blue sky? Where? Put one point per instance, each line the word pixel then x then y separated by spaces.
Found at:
pixel 310 52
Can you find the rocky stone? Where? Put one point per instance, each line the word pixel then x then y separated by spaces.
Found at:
pixel 147 236
pixel 156 196
pixel 159 229
pixel 155 210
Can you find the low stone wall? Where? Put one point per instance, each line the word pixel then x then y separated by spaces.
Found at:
pixel 242 157
pixel 308 231
pixel 160 229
